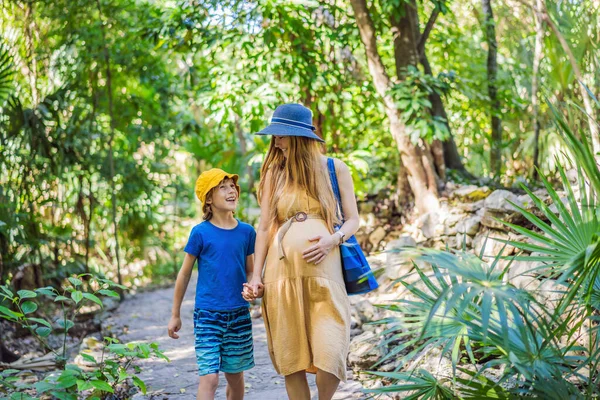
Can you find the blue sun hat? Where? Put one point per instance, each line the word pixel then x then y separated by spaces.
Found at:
pixel 291 120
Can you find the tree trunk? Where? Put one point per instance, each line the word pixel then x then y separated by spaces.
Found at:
pixel 32 71
pixel 419 172
pixel 537 58
pixel 111 160
pixel 492 72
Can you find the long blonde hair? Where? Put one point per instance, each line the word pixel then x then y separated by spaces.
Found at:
pixel 302 168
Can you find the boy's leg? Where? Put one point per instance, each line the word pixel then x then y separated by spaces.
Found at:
pixel 207 387
pixel 235 386
pixel 209 327
pixel 237 348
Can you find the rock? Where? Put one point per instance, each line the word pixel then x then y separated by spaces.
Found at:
pixel 367 221
pixel 364 351
pixel 461 239
pixel 402 241
pixel 367 207
pixel 256 313
pixel 397 266
pixel 472 192
pixel 489 217
pixel 427 223
pixel 453 219
pixel 377 236
pixel 499 201
pixel 470 226
pixel 471 207
pixel 526 201
pixel 550 293
pixel 355 322
pixel 355 332
pixel 493 247
pixel 366 311
pixel 554 208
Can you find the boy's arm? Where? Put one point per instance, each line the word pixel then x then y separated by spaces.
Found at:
pixel 250 267
pixel 183 279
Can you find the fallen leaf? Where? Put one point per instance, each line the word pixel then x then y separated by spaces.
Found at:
pixel 182 390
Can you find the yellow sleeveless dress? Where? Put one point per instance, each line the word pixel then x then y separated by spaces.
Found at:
pixel 305 306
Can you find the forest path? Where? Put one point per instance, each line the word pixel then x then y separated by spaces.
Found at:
pixel 146 315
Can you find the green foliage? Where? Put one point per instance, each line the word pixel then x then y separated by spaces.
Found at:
pixel 412 98
pixel 503 341
pixel 106 373
pixel 100 379
pixel 70 300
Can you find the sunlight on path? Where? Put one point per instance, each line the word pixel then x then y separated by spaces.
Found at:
pixel 147 314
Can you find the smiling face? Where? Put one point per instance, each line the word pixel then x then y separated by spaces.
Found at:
pixel 282 143
pixel 223 197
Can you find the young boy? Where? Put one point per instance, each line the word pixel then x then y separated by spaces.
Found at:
pixel 224 247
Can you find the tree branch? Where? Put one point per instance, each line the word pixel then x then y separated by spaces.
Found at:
pixel 427 31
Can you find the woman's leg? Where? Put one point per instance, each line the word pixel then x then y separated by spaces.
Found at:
pixel 207 387
pixel 327 384
pixel 297 386
pixel 235 386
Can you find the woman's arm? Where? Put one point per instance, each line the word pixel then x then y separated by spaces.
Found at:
pixel 183 279
pixel 352 221
pixel 317 253
pixel 262 233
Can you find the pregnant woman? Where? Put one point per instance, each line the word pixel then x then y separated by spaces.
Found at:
pixel 305 305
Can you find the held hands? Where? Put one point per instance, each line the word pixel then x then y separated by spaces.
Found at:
pixel 174 326
pixel 253 290
pixel 317 253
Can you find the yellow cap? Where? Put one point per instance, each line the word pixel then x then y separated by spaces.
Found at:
pixel 211 178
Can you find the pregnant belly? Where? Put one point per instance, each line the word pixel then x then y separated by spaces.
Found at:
pixel 294 243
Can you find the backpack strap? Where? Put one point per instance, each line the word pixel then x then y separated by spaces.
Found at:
pixel 334 183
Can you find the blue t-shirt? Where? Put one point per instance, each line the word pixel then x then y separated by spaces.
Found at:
pixel 221 257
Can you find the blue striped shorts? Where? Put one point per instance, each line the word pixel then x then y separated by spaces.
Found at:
pixel 223 341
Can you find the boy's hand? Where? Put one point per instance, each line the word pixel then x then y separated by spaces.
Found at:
pixel 174 326
pixel 253 290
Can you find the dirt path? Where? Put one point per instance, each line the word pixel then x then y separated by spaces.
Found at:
pixel 146 315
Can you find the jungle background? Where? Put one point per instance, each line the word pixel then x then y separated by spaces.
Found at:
pixel 110 109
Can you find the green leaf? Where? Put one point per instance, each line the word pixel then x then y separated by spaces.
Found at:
pixel 76 282
pixel 65 324
pixel 66 380
pixel 61 298
pixel 7 291
pixel 48 291
pixel 101 385
pixel 63 395
pixel 43 331
pixel 42 387
pixel 139 383
pixel 110 293
pixel 83 385
pixel 21 396
pixel 26 294
pixel 28 307
pixel 77 296
pixel 9 313
pixel 88 357
pixel 93 298
pixel 40 321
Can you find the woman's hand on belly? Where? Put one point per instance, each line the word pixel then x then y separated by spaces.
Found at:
pixel 317 252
